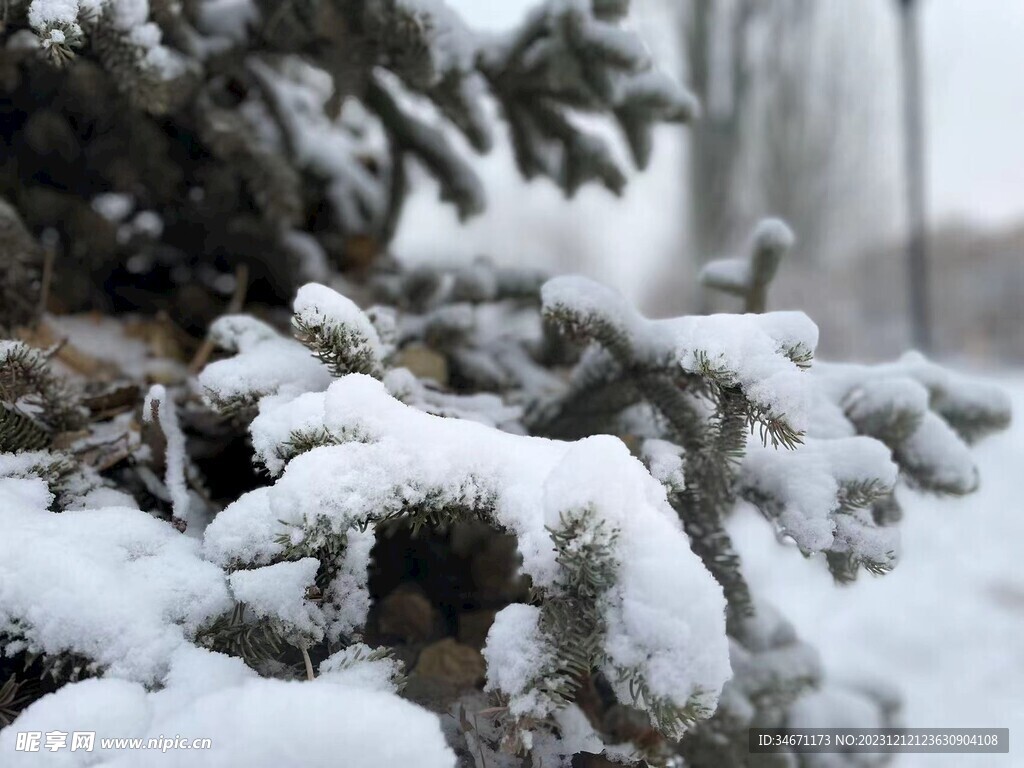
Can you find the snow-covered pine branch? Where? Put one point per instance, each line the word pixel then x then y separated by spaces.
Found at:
pixel 402 463
pixel 184 152
pixel 627 566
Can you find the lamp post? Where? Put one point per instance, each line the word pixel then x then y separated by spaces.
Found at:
pixel 915 176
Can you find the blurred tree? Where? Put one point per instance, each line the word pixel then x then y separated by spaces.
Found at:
pixel 771 77
pixel 913 115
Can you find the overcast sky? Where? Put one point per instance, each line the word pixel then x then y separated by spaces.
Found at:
pixel 975 74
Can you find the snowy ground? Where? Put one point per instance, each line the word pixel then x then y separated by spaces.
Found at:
pixel 947 626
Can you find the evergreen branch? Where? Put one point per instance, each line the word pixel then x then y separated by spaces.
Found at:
pixel 302 441
pixel 668 718
pixel 459 185
pixel 19 432
pixel 571 619
pixel 801 355
pixel 254 641
pixel 861 494
pixel 321 542
pixel 341 347
pixel 844 566
pixel 26 381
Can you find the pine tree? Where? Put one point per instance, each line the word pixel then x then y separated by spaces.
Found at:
pixel 198 135
pixel 470 451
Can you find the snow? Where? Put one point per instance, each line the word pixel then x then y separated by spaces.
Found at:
pixel 900 395
pixel 24 463
pixel 43 13
pixel 115 585
pixel 451 45
pixel 317 305
pixel 75 485
pixel 249 540
pixel 113 206
pixel 665 614
pixel 951 390
pixel 950 394
pixel 942 456
pixel 945 409
pixel 804 483
pixel 357 666
pixel 227 18
pixel 266 364
pixel 274 425
pixel 944 627
pixel 575 734
pixel 111 342
pixel 128 16
pixel 160 407
pixel 278 592
pixel 484 408
pixel 127 591
pixel 727 274
pixel 325 146
pixel 323 723
pixel 743 350
pixel 665 462
pixel 516 657
pixel 259 723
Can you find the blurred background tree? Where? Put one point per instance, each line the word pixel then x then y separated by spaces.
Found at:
pixel 827 95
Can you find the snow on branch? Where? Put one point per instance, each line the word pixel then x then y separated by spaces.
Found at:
pixel 159 409
pixel 266 363
pixel 338 332
pixel 750 276
pixel 115 586
pixel 258 722
pixel 409 464
pixel 925 414
pixel 761 355
pixel 820 495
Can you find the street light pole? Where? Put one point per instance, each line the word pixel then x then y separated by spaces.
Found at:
pixel 915 176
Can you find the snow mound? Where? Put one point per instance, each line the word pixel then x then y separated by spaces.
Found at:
pixel 114 585
pixel 250 721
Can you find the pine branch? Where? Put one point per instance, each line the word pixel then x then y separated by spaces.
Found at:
pixel 255 641
pixel 343 348
pixel 26 383
pixel 19 432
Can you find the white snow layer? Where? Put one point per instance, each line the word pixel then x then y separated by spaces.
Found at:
pixel 804 485
pixel 516 657
pixel 449 42
pixel 43 13
pixel 251 721
pixel 665 461
pixel 115 585
pixel 357 666
pixel 128 17
pixel 127 591
pixel 267 363
pixel 944 627
pixel 318 305
pixel 278 592
pixel 665 616
pixel 744 350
